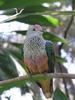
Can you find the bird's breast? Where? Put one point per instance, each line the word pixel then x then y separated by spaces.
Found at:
pixel 34 46
pixel 35 54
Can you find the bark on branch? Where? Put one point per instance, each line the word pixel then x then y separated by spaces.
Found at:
pixel 18 81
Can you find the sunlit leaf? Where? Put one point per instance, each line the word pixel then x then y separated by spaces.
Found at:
pixel 53 21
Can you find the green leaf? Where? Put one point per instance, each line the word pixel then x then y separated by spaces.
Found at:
pixel 30 9
pixel 21 32
pixel 19 45
pixel 59 95
pixel 7 67
pixel 6 4
pixel 9 11
pixel 53 21
pixel 35 18
pixel 59 59
pixel 1 2
pixel 54 38
pixel 17 82
pixel 34 9
pixel 18 55
pixel 39 19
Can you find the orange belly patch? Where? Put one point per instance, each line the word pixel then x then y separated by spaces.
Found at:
pixel 38 65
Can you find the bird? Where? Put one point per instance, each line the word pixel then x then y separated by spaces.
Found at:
pixel 39 57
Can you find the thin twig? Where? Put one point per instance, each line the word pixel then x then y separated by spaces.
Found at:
pixel 13 16
pixel 66 32
pixel 68 27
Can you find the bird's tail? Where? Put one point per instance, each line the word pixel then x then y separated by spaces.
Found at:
pixel 47 87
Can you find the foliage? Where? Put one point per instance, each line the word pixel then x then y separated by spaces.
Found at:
pixel 59 95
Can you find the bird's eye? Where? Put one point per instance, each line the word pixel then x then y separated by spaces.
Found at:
pixel 34 29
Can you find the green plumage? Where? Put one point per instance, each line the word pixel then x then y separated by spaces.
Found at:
pixel 51 56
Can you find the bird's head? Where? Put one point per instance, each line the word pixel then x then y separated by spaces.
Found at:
pixel 37 27
pixel 34 29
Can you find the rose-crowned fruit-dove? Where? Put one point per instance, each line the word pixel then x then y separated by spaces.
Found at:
pixel 39 56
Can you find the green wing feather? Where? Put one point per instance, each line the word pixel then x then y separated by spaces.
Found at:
pixel 51 56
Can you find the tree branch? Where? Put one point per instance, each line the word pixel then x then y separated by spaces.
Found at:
pixel 18 81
